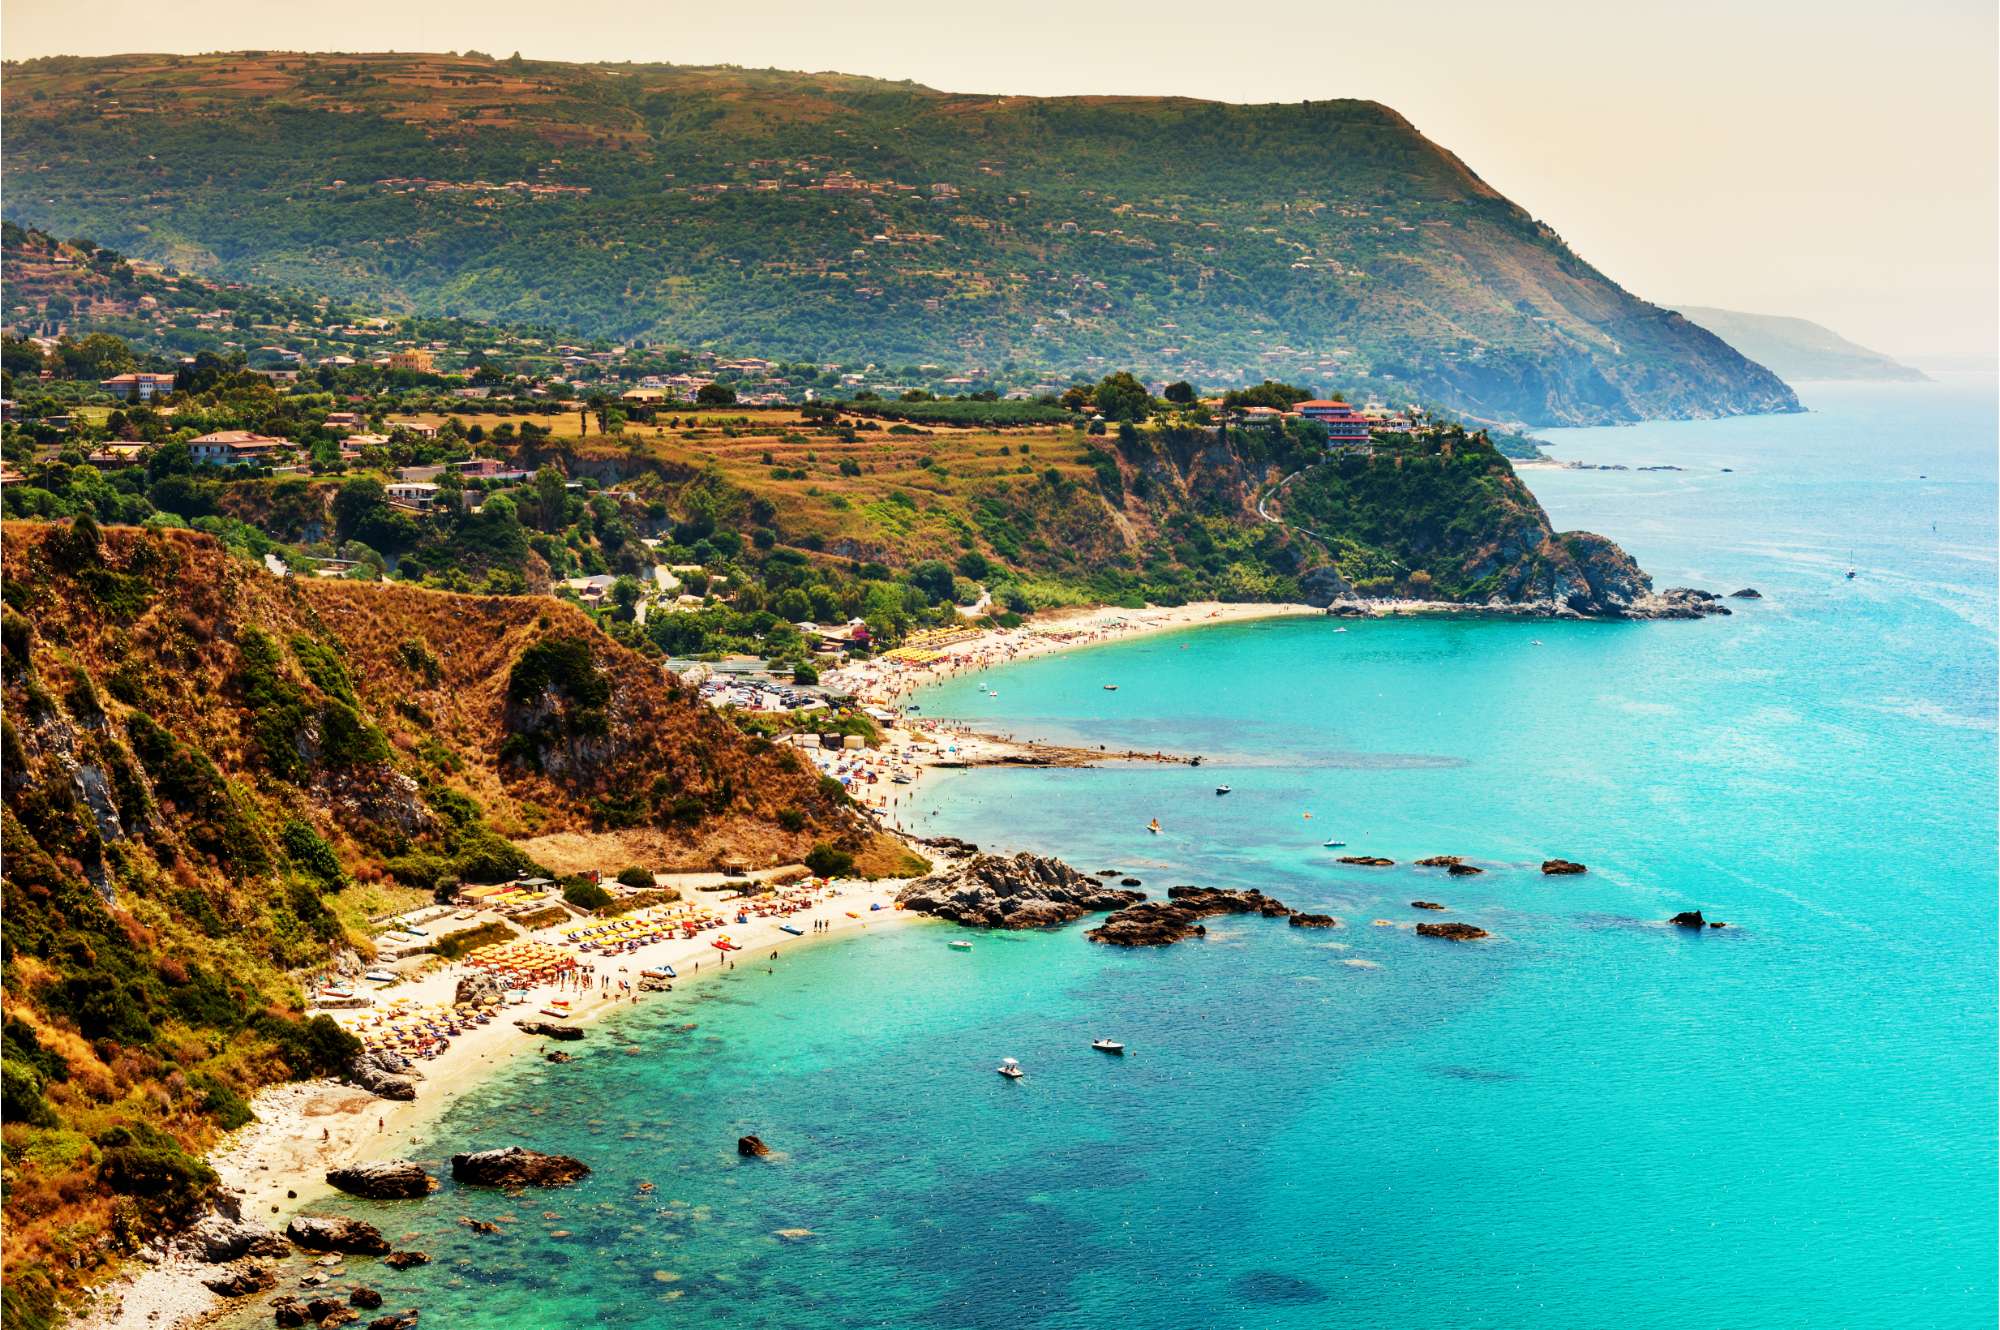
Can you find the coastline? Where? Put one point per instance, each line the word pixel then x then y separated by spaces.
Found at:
pixel 279 1161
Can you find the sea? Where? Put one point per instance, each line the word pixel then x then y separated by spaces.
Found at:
pixel 1591 1119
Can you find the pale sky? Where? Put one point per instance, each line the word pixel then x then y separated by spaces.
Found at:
pixel 1828 159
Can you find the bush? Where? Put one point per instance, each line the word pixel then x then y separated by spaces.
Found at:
pixel 804 673
pixel 827 861
pixel 635 876
pixel 143 1161
pixel 585 894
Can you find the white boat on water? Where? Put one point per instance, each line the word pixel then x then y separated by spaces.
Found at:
pixel 1111 688
pixel 1111 1046
pixel 960 945
pixel 1009 1068
pixel 1222 789
pixel 1334 844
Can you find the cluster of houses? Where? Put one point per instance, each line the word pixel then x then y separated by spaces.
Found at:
pixel 1345 425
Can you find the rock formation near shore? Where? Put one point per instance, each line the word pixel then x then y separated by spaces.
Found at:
pixel 1693 919
pixel 1302 920
pixel 1026 891
pixel 1453 932
pixel 218 1238
pixel 551 1029
pixel 752 1147
pixel 1366 861
pixel 351 1237
pixel 382 1074
pixel 391 1180
pixel 513 1166
pixel 1561 868
pixel 1163 923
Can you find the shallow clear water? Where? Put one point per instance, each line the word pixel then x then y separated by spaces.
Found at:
pixel 1592 1120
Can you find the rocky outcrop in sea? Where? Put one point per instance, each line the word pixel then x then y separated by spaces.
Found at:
pixel 1452 932
pixel 352 1237
pixel 390 1180
pixel 1026 891
pixel 513 1166
pixel 1163 923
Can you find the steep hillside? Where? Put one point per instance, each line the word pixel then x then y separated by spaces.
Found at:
pixel 211 775
pixel 824 215
pixel 1799 350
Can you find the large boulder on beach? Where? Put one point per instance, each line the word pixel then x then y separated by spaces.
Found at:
pixel 1163 923
pixel 241 1281
pixel 481 986
pixel 1561 868
pixel 1452 932
pixel 380 1074
pixel 352 1237
pixel 551 1030
pixel 218 1238
pixel 513 1166
pixel 391 1180
pixel 1026 891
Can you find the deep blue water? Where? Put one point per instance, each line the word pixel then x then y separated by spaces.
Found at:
pixel 1592 1120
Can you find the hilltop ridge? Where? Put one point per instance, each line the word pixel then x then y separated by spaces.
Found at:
pixel 824 214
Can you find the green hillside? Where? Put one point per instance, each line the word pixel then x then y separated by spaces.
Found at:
pixel 830 216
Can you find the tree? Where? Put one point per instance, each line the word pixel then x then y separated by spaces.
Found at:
pixel 1122 397
pixel 715 394
pixel 359 506
pixel 625 597
pixel 933 577
pixel 974 565
pixel 828 861
pixel 1180 394
pixel 551 498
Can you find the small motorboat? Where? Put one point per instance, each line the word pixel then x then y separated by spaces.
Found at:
pixel 1009 1068
pixel 1111 688
pixel 1334 844
pixel 1850 574
pixel 1222 789
pixel 1154 826
pixel 1111 1046
pixel 380 977
pixel 795 932
pixel 960 945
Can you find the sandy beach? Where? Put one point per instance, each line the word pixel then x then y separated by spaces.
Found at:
pixel 278 1163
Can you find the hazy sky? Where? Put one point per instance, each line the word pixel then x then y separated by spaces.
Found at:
pixel 1823 158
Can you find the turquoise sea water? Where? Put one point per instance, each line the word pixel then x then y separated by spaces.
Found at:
pixel 1592 1120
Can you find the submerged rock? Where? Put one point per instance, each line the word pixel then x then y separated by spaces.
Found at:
pixel 337 1234
pixel 557 1055
pixel 1454 932
pixel 391 1180
pixel 1367 860
pixel 1747 593
pixel 513 1166
pixel 752 1147
pixel 365 1298
pixel 1299 920
pixel 1026 891
pixel 1561 867
pixel 1425 905
pixel 403 1260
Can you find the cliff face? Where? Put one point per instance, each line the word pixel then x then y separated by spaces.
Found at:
pixel 212 776
pixel 816 216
